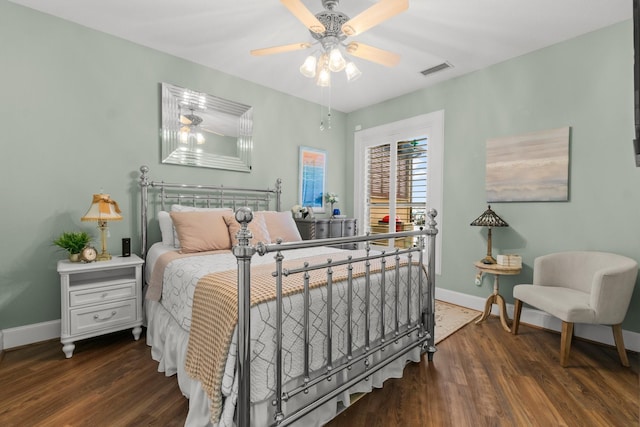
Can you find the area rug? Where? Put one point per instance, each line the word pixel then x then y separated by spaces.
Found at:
pixel 450 318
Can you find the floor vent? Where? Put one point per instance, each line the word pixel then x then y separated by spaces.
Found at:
pixel 435 69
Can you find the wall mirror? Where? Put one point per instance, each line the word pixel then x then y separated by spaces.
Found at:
pixel 203 130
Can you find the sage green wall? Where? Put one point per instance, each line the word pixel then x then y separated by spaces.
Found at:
pixel 585 83
pixel 80 112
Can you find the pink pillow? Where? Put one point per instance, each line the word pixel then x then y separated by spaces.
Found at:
pixel 257 227
pixel 201 231
pixel 280 226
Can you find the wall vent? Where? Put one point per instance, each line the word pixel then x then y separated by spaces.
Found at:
pixel 435 69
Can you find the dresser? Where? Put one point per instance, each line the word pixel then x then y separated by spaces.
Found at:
pixel 98 298
pixel 324 228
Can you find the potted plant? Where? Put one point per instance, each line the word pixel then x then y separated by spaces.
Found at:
pixel 332 198
pixel 73 243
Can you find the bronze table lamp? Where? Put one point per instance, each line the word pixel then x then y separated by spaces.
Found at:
pixel 489 219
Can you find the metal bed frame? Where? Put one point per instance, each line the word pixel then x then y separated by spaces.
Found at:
pixel 419 333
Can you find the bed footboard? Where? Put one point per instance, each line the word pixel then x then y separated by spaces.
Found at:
pixel 403 279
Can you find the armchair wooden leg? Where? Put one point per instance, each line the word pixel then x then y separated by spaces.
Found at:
pixel 617 337
pixel 517 309
pixel 565 342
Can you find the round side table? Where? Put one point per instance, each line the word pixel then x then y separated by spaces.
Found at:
pixel 495 297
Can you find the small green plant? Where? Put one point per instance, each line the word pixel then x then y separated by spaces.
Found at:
pixel 73 242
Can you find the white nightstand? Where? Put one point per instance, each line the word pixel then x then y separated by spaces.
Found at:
pixel 98 298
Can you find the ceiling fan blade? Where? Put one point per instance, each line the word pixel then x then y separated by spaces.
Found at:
pixel 373 54
pixel 376 14
pixel 304 15
pixel 280 49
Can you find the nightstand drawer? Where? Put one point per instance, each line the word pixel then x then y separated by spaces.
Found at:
pixel 349 228
pixel 322 229
pixel 104 316
pixel 99 294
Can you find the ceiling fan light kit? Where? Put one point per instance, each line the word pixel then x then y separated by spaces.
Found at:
pixel 330 28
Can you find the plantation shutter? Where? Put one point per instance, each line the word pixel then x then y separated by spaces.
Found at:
pixel 396 188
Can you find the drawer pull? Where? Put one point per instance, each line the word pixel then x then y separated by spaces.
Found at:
pixel 97 316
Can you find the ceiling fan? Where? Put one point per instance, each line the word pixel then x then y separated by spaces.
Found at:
pixel 331 27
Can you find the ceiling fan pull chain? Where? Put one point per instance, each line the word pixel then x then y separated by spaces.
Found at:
pixel 329 111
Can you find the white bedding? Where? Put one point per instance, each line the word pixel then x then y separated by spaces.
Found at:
pixel 181 276
pixel 169 324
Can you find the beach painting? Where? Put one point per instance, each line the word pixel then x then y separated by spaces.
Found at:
pixel 313 171
pixel 531 167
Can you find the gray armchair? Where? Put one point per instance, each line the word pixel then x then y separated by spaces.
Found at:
pixel 580 287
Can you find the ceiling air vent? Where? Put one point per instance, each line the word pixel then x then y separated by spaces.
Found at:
pixel 435 69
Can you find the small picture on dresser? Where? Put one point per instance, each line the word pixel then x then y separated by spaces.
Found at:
pixel 312 169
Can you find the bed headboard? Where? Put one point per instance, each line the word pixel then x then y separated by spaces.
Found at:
pixel 160 195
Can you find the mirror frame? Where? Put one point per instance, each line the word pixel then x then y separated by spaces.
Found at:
pixel 236 117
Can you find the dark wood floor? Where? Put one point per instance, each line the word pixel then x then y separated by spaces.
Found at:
pixel 480 376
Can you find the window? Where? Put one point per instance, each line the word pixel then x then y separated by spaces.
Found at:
pixel 398 177
pixel 408 203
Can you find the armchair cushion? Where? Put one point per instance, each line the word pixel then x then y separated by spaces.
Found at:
pixel 566 304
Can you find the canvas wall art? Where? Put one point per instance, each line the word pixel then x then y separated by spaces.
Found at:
pixel 532 167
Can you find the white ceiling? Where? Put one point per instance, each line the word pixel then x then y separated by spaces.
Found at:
pixel 469 34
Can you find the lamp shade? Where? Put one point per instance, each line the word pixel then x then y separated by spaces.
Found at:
pixel 336 60
pixel 489 219
pixel 308 68
pixel 353 73
pixel 323 78
pixel 102 208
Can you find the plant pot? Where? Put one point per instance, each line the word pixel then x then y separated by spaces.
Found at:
pixel 74 257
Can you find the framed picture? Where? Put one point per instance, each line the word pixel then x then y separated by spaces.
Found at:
pixel 312 168
pixel 532 167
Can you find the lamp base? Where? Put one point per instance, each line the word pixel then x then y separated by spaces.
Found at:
pixel 103 257
pixel 488 260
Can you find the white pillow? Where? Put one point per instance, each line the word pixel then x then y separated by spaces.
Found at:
pixel 166 228
pixel 184 208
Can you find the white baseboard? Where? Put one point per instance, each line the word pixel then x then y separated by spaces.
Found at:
pixel 597 333
pixel 29 334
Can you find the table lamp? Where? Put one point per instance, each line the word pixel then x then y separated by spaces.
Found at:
pixel 489 219
pixel 103 209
